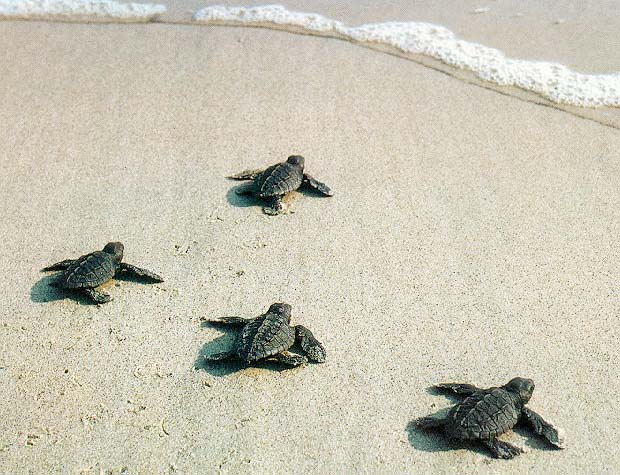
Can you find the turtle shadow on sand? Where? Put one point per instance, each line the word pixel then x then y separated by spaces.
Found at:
pixel 431 441
pixel 531 441
pixel 42 292
pixel 435 441
pixel 217 368
pixel 247 201
pixel 225 367
pixel 241 201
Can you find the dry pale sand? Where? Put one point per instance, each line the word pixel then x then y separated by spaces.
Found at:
pixel 473 237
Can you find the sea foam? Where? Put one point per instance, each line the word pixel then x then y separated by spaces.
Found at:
pixel 551 80
pixel 93 10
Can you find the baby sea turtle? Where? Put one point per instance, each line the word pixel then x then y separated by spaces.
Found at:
pixel 276 181
pixel 485 414
pixel 269 337
pixel 91 270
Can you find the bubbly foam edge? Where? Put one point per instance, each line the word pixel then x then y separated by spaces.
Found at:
pixel 551 80
pixel 79 9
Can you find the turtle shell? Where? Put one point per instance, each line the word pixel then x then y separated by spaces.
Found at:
pixel 265 337
pixel 484 415
pixel 89 271
pixel 279 179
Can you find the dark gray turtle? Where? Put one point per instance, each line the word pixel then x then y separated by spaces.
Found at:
pixel 91 270
pixel 276 181
pixel 485 414
pixel 269 337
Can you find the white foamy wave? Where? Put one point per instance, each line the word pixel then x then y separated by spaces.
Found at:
pixel 551 80
pixel 79 10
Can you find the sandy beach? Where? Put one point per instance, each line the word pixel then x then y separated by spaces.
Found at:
pixel 472 238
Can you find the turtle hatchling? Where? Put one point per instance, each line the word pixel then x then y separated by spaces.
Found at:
pixel 88 272
pixel 278 180
pixel 485 414
pixel 269 337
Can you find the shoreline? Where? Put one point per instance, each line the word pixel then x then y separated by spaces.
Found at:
pixel 554 83
pixel 603 115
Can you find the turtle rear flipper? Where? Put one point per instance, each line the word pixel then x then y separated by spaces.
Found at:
pixel 541 427
pixel 311 346
pixel 224 355
pixel 457 388
pixel 55 283
pixel 317 185
pixel 290 359
pixel 502 450
pixel 246 174
pixel 97 296
pixel 62 265
pixel 139 272
pixel 430 422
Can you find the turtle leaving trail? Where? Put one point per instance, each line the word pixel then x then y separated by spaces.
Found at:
pixel 91 270
pixel 278 180
pixel 485 414
pixel 269 337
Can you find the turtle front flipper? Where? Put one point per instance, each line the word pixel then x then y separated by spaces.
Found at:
pixel 290 359
pixel 457 388
pixel 311 346
pixel 317 185
pixel 246 175
pixel 541 427
pixel 97 296
pixel 230 321
pixel 137 271
pixel 502 450
pixel 275 207
pixel 62 265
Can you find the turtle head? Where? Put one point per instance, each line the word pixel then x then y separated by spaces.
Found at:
pixel 296 160
pixel 523 387
pixel 282 309
pixel 115 249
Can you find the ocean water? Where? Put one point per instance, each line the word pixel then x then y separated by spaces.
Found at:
pixel 553 81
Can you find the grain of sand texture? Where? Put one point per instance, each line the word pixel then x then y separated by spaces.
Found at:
pixel 472 238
